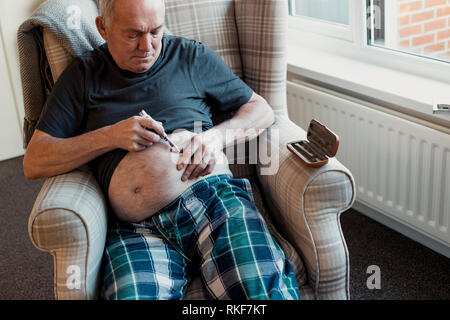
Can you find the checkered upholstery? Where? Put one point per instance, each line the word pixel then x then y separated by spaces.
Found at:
pixel 302 205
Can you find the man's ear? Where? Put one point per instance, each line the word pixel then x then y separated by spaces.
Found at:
pixel 100 23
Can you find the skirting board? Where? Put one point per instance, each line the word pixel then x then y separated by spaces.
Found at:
pixel 404 230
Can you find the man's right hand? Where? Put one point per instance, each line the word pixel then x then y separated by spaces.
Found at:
pixel 131 134
pixel 49 156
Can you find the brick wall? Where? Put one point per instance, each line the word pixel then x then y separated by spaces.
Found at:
pixel 424 26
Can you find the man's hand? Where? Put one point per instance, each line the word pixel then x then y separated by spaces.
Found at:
pixel 200 154
pixel 131 134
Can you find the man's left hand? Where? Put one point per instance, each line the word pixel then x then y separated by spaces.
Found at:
pixel 200 154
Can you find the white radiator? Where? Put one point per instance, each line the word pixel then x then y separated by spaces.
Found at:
pixel 401 168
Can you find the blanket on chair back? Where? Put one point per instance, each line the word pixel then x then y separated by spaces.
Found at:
pixel 72 23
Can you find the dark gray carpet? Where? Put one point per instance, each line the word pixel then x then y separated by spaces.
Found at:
pixel 408 270
pixel 25 272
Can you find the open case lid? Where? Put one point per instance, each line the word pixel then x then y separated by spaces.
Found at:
pixel 323 138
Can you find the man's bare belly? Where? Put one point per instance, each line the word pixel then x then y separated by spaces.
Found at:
pixel 146 181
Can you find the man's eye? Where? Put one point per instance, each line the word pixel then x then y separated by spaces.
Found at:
pixel 156 32
pixel 133 36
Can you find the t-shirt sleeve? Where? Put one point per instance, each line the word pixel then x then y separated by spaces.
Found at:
pixel 216 82
pixel 63 112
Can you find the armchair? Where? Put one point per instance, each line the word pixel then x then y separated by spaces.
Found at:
pixel 302 205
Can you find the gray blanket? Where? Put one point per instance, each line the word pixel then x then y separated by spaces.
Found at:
pixel 74 27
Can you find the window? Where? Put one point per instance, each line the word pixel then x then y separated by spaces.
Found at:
pixel 396 51
pixel 329 10
pixel 326 17
pixel 409 36
pixel 417 27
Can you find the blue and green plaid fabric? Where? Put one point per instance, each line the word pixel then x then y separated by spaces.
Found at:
pixel 212 229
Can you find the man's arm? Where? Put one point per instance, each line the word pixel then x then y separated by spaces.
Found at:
pixel 256 114
pixel 48 156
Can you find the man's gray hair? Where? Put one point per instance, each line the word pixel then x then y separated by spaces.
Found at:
pixel 106 10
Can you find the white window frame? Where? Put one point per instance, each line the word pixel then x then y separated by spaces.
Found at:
pixel 391 16
pixel 325 28
pixel 351 41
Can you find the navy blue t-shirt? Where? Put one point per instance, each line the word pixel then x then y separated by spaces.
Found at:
pixel 187 80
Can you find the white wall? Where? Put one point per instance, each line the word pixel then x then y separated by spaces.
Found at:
pixel 12 14
pixel 10 134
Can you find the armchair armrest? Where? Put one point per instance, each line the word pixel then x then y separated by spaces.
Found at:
pixel 309 202
pixel 69 221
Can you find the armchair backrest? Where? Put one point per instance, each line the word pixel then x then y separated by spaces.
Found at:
pixel 249 35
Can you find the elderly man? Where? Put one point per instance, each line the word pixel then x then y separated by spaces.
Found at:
pixel 174 214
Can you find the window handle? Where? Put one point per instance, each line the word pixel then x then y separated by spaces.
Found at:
pixel 441 107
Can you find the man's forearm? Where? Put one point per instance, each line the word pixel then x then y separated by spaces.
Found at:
pixel 246 123
pixel 48 156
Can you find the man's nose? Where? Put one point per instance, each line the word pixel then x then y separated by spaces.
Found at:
pixel 145 43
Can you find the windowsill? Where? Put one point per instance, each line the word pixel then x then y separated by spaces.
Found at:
pixel 409 94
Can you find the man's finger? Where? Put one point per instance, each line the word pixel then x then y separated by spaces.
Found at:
pixel 188 171
pixel 188 151
pixel 152 124
pixel 197 160
pixel 143 142
pixel 148 135
pixel 209 169
pixel 138 147
pixel 201 167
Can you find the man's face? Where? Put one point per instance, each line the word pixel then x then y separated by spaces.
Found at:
pixel 134 34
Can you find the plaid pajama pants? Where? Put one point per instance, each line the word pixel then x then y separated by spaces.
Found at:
pixel 212 229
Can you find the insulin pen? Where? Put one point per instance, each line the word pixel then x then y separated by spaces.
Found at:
pixel 164 137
